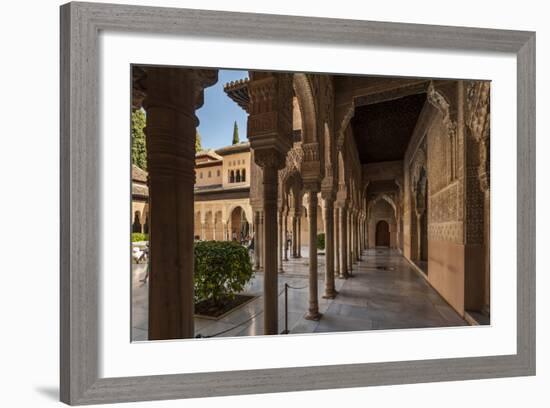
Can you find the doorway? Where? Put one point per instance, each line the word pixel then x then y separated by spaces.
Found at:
pixel 382 234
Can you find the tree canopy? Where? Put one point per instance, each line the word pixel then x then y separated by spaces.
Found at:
pixel 139 149
pixel 235 133
pixel 198 142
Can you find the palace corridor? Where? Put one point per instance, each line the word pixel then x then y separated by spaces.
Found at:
pixel 396 297
pixel 369 162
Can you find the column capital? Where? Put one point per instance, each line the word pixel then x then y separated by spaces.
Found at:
pixel 312 186
pixel 329 196
pixel 269 158
pixel 343 204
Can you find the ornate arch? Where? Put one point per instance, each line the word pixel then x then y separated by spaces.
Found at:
pixel 418 164
pixel 385 197
pixel 343 116
pixel 306 102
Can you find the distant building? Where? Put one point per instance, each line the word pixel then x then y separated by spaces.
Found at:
pixel 140 200
pixel 222 195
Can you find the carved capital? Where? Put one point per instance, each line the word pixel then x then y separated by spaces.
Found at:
pixel 269 158
pixel 311 186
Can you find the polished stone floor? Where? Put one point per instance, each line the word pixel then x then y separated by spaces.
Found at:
pixel 385 292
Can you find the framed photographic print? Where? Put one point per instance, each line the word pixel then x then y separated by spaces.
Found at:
pixel 261 203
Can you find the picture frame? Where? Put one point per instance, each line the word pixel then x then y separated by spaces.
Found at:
pixel 81 24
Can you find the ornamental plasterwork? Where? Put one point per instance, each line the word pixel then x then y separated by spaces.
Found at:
pixel 478 103
pixel 436 99
pixel 419 162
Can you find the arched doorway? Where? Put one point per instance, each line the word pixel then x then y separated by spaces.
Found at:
pixel 136 225
pixel 382 234
pixel 240 227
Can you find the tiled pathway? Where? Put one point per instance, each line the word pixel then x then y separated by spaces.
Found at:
pixel 385 292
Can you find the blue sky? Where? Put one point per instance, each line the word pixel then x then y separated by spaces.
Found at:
pixel 219 112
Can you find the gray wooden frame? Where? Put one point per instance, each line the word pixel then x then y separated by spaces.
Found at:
pixel 80 234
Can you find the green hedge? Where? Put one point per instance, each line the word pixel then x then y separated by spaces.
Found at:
pixel 222 269
pixel 138 236
pixel 321 241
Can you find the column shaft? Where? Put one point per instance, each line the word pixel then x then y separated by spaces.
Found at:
pixel 285 236
pixel 349 244
pixel 343 244
pixel 269 249
pixel 257 234
pixel 313 311
pixel 170 135
pixel 330 291
pixel 294 235
pixel 299 240
pixel 336 241
pixel 280 237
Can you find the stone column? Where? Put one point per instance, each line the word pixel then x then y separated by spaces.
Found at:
pixel 352 236
pixel 357 237
pixel 299 240
pixel 330 291
pixel 343 243
pixel 294 235
pixel 203 231
pixel 262 240
pixel 349 244
pixel 270 167
pixel 336 241
pixel 257 240
pixel 173 94
pixel 285 235
pixel 270 135
pixel 313 311
pixel 281 240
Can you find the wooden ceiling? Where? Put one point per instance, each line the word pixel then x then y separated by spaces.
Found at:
pixel 382 130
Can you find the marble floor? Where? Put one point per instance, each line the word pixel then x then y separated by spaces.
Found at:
pixel 385 292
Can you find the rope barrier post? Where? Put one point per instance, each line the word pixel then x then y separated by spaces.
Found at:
pixel 285 331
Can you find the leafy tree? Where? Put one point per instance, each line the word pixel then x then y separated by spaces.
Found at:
pixel 222 270
pixel 198 142
pixel 321 241
pixel 139 149
pixel 235 133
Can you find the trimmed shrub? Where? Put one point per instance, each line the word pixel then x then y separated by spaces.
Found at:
pixel 321 241
pixel 222 269
pixel 138 236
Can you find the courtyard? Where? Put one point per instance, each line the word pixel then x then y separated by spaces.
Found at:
pixel 384 292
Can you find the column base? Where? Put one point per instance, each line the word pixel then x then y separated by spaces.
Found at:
pixel 330 295
pixel 343 276
pixel 281 270
pixel 316 316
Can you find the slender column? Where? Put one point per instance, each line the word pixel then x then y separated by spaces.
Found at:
pixel 330 292
pixel 262 240
pixel 299 240
pixel 214 232
pixel 343 244
pixel 294 235
pixel 172 96
pixel 269 132
pixel 313 311
pixel 352 237
pixel 356 237
pixel 336 242
pixel 257 240
pixel 285 235
pixel 349 244
pixel 269 249
pixel 281 240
